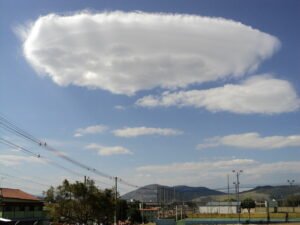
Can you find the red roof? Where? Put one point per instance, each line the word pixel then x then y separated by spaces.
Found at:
pixel 16 194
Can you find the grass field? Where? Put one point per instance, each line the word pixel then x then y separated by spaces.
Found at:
pixel 245 215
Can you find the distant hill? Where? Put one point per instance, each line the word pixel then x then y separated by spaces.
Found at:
pixel 276 192
pixel 156 192
pixel 260 193
pixel 147 194
pixel 190 193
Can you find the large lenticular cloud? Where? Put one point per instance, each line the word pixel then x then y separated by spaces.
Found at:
pixel 127 52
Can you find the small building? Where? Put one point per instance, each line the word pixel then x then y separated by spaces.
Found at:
pixel 19 207
pixel 219 208
pixel 149 214
pixel 272 204
pixel 266 206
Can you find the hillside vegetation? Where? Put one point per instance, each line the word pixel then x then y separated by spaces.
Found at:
pixel 260 193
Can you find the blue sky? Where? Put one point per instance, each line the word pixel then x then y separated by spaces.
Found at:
pixel 182 92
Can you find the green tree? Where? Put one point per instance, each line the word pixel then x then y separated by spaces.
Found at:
pixel 122 209
pixel 134 214
pixel 248 203
pixel 80 203
pixel 49 195
pixel 293 200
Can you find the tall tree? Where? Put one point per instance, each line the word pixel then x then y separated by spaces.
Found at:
pixel 248 203
pixel 122 210
pixel 134 214
pixel 293 200
pixel 49 195
pixel 80 203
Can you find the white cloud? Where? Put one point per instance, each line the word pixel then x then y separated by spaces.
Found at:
pixel 252 141
pixel 188 167
pixel 120 107
pixel 127 52
pixel 274 168
pixel 109 150
pixel 95 129
pixel 258 94
pixel 214 173
pixel 12 160
pixel 140 131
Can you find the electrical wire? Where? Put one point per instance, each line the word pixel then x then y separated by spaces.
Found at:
pixel 13 128
pixel 18 147
pixel 24 179
pixel 10 126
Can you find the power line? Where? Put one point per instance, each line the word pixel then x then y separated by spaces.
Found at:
pixel 14 183
pixel 127 183
pixel 75 162
pixel 18 147
pixel 24 179
pixel 31 175
pixel 13 128
pixel 6 124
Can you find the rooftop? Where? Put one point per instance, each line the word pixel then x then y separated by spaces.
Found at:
pixel 10 193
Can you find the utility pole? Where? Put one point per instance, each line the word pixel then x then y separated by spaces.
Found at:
pixel 268 211
pixel 116 199
pixel 142 207
pixel 160 200
pixel 157 195
pixel 164 195
pixel 291 182
pixel 228 197
pixel 174 202
pixel 236 195
pixel 181 212
pixel 164 202
pixel 1 178
pixel 238 172
pixel 174 195
pixel 228 187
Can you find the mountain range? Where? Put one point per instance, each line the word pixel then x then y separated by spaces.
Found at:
pixel 160 193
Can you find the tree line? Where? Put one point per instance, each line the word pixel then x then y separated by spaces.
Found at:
pixel 85 203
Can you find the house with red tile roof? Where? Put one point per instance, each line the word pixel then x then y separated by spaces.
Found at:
pixel 17 205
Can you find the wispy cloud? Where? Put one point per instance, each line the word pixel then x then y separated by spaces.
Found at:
pixel 252 141
pixel 109 150
pixel 141 131
pixel 258 94
pixel 196 166
pixel 127 52
pixel 214 173
pixel 95 129
pixel 120 107
pixel 274 168
pixel 12 160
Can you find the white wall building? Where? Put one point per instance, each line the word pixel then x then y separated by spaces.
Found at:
pixel 219 207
